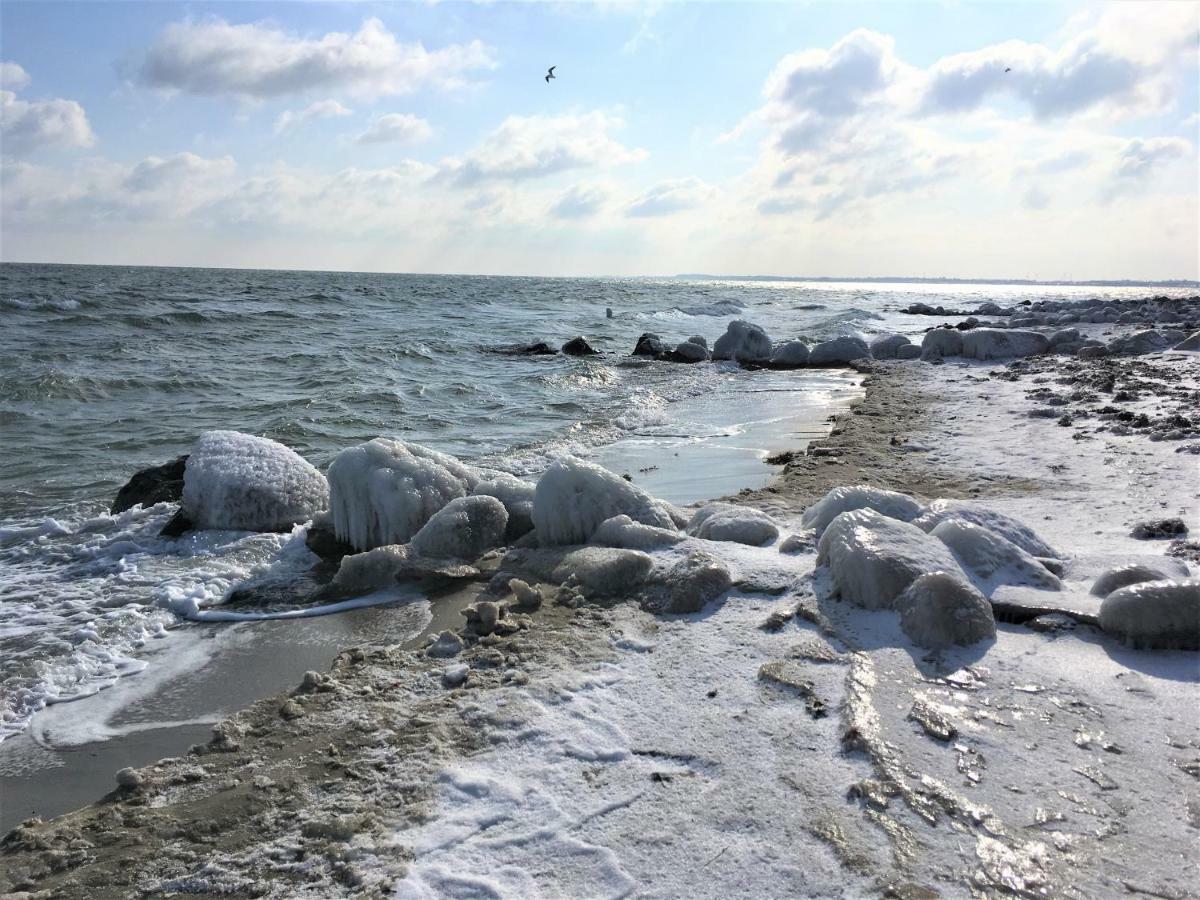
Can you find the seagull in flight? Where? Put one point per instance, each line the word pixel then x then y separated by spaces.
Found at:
pixel 1008 70
pixel 550 74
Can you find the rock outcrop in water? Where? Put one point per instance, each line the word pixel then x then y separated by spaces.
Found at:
pixel 157 484
pixel 578 346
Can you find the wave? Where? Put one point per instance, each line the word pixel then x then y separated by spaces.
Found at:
pixel 40 303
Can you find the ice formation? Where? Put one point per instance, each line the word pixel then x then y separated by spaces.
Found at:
pixel 1122 576
pixel 1149 341
pixel 872 559
pixel 1155 614
pixel 887 345
pixel 1005 526
pixel 463 529
pixel 839 350
pixel 690 351
pixel 792 353
pixel 892 504
pixel 384 566
pixel 517 496
pixel 622 531
pixel 744 342
pixel 736 524
pixel 939 610
pixel 991 558
pixel 1190 343
pixel 573 497
pixel 383 491
pixel 990 343
pixel 598 571
pixel 238 481
pixel 693 582
pixel 941 342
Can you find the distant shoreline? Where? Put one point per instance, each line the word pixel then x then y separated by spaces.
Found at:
pixel 900 279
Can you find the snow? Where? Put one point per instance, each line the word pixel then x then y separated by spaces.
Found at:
pixel 1155 614
pixel 892 504
pixel 743 342
pixel 517 496
pixel 990 343
pixel 383 491
pixel 839 350
pixel 939 610
pixel 241 482
pixel 622 531
pixel 574 497
pixel 463 529
pixel 1006 526
pixel 739 524
pixel 992 559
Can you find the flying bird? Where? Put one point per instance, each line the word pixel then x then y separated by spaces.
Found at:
pixel 1008 70
pixel 550 74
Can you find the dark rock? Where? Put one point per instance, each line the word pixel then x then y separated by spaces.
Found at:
pixel 178 526
pixel 650 345
pixel 322 541
pixel 1160 528
pixel 540 348
pixel 578 347
pixel 158 484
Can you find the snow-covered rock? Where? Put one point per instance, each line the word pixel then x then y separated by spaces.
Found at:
pixel 1155 614
pixel 1122 576
pixel 791 354
pixel 693 582
pixel 892 504
pixel 622 531
pixel 939 610
pixel 1066 336
pixel 839 350
pixel 989 343
pixel 886 345
pixel 574 497
pixel 1149 341
pixel 737 524
pixel 941 342
pixel 991 558
pixel 597 571
pixel 384 566
pixel 247 483
pixel 872 559
pixel 517 496
pixel 1006 526
pixel 383 491
pixel 1191 343
pixel 464 528
pixel 744 342
pixel 908 351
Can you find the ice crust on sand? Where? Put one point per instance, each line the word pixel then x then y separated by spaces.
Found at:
pixel 1155 614
pixel 463 529
pixel 989 343
pixel 517 496
pixel 622 531
pixel 892 504
pixel 1122 576
pixel 247 483
pixel 991 558
pixel 1006 526
pixel 872 559
pixel 737 524
pixel 383 491
pixel 574 497
pixel 743 342
pixel 939 610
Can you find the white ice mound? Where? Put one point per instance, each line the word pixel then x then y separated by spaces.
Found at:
pixel 941 342
pixel 991 558
pixel 383 491
pixel 892 504
pixel 736 524
pixel 839 350
pixel 991 343
pixel 939 610
pixel 872 559
pixel 622 531
pixel 1155 614
pixel 744 342
pixel 247 483
pixel 887 345
pixel 1006 526
pixel 1122 576
pixel 464 528
pixel 517 496
pixel 573 497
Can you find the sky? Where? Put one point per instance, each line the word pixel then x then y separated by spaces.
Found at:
pixel 973 140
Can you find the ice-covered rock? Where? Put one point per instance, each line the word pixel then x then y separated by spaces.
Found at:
pixel 445 645
pixel 744 342
pixel 737 524
pixel 1006 526
pixel 1091 352
pixel 872 559
pixel 383 491
pixel 384 566
pixel 1122 576
pixel 574 497
pixel 941 342
pixel 1149 341
pixel 940 610
pixel 1155 614
pixel 886 345
pixel 525 595
pixel 839 350
pixel 464 528
pixel 690 352
pixel 892 504
pixel 991 558
pixel 596 571
pixel 1191 343
pixel 908 351
pixel 239 481
pixel 693 582
pixel 517 496
pixel 622 531
pixel 792 354
pixel 649 344
pixel 698 339
pixel 1066 336
pixel 989 343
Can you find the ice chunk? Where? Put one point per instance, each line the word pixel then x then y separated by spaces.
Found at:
pixel 1155 614
pixel 463 529
pixel 892 504
pixel 737 524
pixel 939 610
pixel 238 481
pixel 992 558
pixel 1122 576
pixel 990 343
pixel 886 345
pixel 573 497
pixel 517 496
pixel 1005 526
pixel 383 491
pixel 872 559
pixel 839 350
pixel 744 342
pixel 693 582
pixel 622 531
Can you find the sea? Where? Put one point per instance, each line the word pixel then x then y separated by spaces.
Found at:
pixel 106 370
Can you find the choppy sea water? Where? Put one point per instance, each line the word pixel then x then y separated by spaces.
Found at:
pixel 105 370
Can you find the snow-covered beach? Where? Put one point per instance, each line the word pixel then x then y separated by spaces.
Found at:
pixel 780 739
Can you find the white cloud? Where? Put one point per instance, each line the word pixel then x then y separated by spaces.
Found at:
pixel 214 57
pixel 395 127
pixel 27 126
pixel 13 77
pixel 290 120
pixel 669 197
pixel 1138 158
pixel 580 201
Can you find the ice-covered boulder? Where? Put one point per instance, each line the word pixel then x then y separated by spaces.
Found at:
pixel 989 343
pixel 383 491
pixel 941 342
pixel 464 528
pixel 384 566
pixel 744 342
pixel 737 524
pixel 892 504
pixel 839 350
pixel 1155 614
pixel 792 354
pixel 1066 336
pixel 517 496
pixel 1006 526
pixel 597 571
pixel 939 610
pixel 573 497
pixel 1149 341
pixel 908 351
pixel 1122 576
pixel 690 352
pixel 622 531
pixel 991 558
pixel 1191 343
pixel 886 345
pixel 247 483
pixel 872 559
pixel 693 582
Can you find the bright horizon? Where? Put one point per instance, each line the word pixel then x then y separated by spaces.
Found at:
pixel 1050 142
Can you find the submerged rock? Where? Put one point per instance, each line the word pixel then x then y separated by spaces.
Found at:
pixel 940 610
pixel 578 346
pixel 892 504
pixel 743 342
pixel 539 348
pixel 1155 614
pixel 157 484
